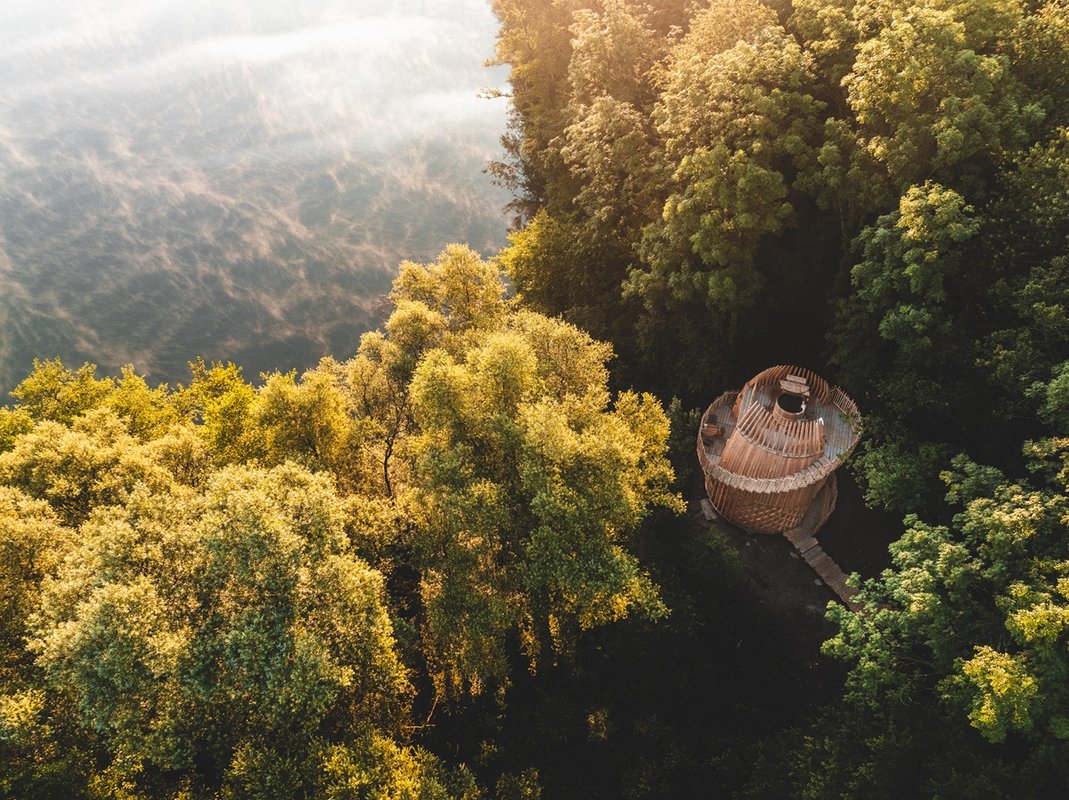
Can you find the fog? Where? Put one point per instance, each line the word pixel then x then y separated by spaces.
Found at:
pixel 237 180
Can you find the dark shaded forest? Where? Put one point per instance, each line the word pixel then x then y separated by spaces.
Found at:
pixel 459 564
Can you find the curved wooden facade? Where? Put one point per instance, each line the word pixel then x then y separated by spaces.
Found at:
pixel 768 450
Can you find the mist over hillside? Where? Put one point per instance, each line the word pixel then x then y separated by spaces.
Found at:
pixel 235 180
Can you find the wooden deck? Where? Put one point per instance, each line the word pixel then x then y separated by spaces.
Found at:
pixel 839 423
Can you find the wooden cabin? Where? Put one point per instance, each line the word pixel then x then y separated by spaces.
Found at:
pixel 769 452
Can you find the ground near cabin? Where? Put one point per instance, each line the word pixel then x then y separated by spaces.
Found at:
pixel 854 536
pixel 676 707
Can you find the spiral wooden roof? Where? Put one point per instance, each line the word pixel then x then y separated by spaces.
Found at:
pixel 768 448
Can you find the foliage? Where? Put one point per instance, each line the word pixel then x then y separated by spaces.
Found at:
pixel 971 613
pixel 32 543
pixel 191 627
pixel 900 336
pixel 188 613
pixel 525 482
pixel 243 588
pixel 933 97
pixel 878 187
pixel 92 463
pixel 53 392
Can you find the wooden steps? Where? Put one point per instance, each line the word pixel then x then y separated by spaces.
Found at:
pixel 823 564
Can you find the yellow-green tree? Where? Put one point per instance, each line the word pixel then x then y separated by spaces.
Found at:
pixel 188 615
pixel 526 475
pixel 228 640
pixel 93 462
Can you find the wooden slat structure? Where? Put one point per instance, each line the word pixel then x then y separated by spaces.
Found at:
pixel 769 449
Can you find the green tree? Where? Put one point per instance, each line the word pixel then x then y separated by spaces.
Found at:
pixel 609 148
pixel 220 401
pixel 739 124
pixel 563 267
pixel 526 484
pixel 226 638
pixel 956 683
pixel 905 342
pixel 148 413
pixel 829 32
pixel 309 421
pixel 377 768
pixel 40 755
pixel 535 40
pixel 32 544
pixel 613 50
pixel 1040 51
pixel 972 614
pixel 934 95
pixel 92 463
pixel 1025 352
pixel 932 345
pixel 53 392
pixel 608 143
pixel 13 423
pixel 740 128
pixel 519 479
pixel 465 290
pixel 441 304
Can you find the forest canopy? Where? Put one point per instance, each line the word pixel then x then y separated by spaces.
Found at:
pixel 221 589
pixel 455 565
pixel 875 188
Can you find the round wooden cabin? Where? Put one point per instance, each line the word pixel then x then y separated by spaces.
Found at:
pixel 769 452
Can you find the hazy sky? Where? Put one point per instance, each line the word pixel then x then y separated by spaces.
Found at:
pixel 382 67
pixel 232 178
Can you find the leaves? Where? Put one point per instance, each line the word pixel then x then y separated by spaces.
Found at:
pixel 183 591
pixel 191 624
pixel 974 612
pixel 525 483
pixel 930 97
